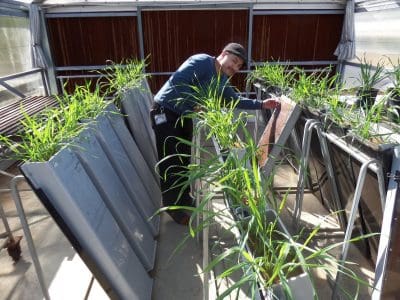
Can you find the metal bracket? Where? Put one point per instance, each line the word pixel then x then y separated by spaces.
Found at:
pixel 395 176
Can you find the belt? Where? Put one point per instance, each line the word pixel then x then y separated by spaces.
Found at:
pixel 160 108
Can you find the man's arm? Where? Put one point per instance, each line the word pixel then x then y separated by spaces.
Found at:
pixel 246 103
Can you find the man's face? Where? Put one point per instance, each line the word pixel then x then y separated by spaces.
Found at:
pixel 230 63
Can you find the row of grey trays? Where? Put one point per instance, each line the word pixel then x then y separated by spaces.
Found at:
pixel 103 192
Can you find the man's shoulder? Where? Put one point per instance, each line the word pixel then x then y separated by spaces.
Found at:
pixel 198 62
pixel 201 57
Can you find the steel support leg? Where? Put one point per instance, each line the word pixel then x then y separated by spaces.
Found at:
pixel 12 242
pixel 352 217
pixel 196 153
pixel 5 222
pixel 384 240
pixel 302 170
pixel 331 175
pixel 305 153
pixel 198 186
pixel 27 233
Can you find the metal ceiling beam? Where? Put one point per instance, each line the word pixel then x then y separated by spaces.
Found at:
pixel 57 6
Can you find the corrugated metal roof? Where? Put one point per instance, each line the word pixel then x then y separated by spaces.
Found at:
pixel 70 6
pixel 180 2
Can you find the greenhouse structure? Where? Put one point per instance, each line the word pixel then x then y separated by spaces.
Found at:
pixel 290 169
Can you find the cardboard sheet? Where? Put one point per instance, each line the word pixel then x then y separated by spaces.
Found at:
pixel 276 133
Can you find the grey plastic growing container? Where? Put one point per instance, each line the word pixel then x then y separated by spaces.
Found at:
pixel 72 199
pixel 135 108
pixel 114 194
pixel 151 183
pixel 133 179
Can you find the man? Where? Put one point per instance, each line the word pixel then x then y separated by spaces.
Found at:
pixel 174 100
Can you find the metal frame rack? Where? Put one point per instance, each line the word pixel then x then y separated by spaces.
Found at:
pixel 387 198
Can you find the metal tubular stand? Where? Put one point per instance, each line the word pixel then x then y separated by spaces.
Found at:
pixel 295 148
pixel 205 231
pixel 27 233
pixel 258 97
pixel 8 232
pixel 309 126
pixel 12 243
pixel 367 163
pixel 331 174
pixel 386 229
pixel 302 170
pixel 206 258
pixel 362 158
pixel 196 154
pixel 352 217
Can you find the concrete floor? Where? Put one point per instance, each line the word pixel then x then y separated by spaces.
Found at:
pixel 176 276
pixel 18 280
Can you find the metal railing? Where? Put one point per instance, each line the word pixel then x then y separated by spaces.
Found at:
pixel 16 91
pixel 90 71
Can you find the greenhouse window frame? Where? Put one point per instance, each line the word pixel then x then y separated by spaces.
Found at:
pixel 22 74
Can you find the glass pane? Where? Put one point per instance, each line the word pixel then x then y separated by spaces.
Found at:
pixel 29 85
pixel 15 57
pixel 377 34
pixel 377 37
pixel 15 54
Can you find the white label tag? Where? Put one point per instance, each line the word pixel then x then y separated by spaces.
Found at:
pixel 160 119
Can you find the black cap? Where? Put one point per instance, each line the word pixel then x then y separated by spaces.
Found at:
pixel 238 50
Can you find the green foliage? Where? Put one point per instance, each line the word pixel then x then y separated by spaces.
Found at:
pixel 395 78
pixel 337 112
pixel 370 75
pixel 46 133
pixel 43 136
pixel 321 92
pixel 395 72
pixel 271 74
pixel 312 90
pixel 123 76
pixel 265 253
pixel 364 123
pixel 216 116
pixel 82 105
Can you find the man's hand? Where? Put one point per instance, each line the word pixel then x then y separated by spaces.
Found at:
pixel 270 103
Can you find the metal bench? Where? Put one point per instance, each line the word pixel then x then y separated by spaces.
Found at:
pixel 12 113
pixel 10 123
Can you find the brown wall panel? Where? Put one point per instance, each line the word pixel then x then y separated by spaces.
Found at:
pixel 295 37
pixel 301 37
pixel 329 31
pixel 92 41
pixel 272 38
pixel 172 36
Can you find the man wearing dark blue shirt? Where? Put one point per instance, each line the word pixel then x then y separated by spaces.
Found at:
pixel 174 100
